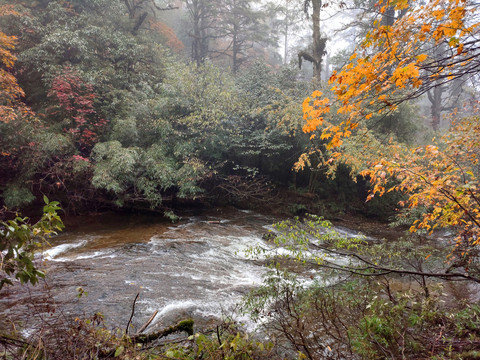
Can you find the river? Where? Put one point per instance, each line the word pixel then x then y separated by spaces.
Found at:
pixel 194 268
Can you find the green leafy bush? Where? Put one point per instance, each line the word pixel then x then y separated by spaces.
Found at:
pixel 226 342
pixel 19 240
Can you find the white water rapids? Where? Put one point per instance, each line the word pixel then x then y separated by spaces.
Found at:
pixel 196 268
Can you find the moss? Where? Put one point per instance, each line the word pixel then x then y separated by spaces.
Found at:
pixel 186 325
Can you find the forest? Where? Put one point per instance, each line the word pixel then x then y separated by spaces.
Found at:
pixel 326 118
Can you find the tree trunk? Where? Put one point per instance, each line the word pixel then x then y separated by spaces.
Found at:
pixel 182 326
pixel 436 106
pixel 286 45
pixel 199 12
pixel 388 18
pixel 235 42
pixel 318 42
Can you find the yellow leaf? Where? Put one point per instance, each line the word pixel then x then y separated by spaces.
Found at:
pixel 425 28
pixel 422 57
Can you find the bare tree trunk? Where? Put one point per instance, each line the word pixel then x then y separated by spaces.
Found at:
pixel 436 106
pixel 388 17
pixel 200 13
pixel 318 42
pixel 235 41
pixel 286 45
pixel 235 50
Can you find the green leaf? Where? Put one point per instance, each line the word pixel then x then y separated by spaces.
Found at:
pixel 119 350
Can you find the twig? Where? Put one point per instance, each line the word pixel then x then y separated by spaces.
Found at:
pixel 7 339
pixel 144 326
pixel 220 342
pixel 133 312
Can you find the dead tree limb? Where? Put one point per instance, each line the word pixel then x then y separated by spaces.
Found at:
pixel 181 326
pixel 144 326
pixel 133 313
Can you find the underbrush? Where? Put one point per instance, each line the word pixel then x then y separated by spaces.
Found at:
pixel 332 297
pixel 325 297
pixel 82 339
pixel 363 319
pixel 357 318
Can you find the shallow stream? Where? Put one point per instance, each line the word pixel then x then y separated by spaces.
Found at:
pixel 194 268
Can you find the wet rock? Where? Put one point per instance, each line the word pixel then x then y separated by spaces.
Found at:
pixel 270 236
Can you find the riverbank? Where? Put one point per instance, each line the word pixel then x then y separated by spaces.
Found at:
pixel 194 268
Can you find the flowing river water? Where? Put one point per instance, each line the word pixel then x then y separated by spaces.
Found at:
pixel 194 268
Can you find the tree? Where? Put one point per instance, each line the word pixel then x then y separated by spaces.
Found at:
pixel 79 65
pixel 442 180
pixel 443 97
pixel 15 116
pixel 203 19
pixel 171 39
pixel 138 11
pixel 318 42
pixel 75 108
pixel 287 20
pixel 350 302
pixel 240 27
pixel 392 67
pixel 10 92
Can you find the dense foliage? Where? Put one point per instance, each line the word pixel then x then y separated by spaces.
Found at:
pixel 109 114
pixel 440 179
pixel 108 104
pixel 117 119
